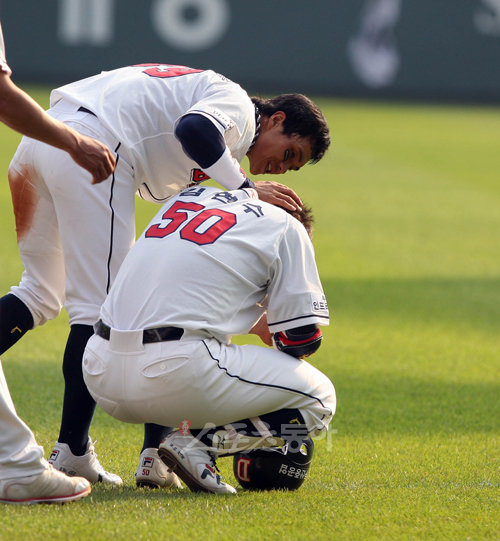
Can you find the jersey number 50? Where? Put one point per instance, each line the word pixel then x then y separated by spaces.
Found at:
pixel 166 70
pixel 203 228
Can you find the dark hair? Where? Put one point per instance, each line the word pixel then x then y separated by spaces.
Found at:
pixel 305 217
pixel 303 117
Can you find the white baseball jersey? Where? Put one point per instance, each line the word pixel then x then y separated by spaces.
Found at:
pixel 141 105
pixel 234 256
pixel 3 62
pixel 209 262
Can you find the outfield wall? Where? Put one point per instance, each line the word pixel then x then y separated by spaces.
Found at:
pixel 418 49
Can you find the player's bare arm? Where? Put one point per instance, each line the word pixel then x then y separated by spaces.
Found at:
pixel 261 329
pixel 23 114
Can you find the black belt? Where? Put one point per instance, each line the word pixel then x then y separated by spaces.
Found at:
pixel 85 110
pixel 159 334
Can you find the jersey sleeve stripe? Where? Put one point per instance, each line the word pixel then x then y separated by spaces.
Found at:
pixel 323 320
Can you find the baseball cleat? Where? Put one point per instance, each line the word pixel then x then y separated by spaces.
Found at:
pixel 51 486
pixel 86 465
pixel 194 463
pixel 152 472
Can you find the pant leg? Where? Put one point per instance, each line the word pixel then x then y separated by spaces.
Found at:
pixel 72 235
pixel 41 287
pixel 249 381
pixel 96 223
pixel 20 455
pixel 203 382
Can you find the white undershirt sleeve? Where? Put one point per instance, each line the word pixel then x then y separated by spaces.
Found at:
pixel 227 171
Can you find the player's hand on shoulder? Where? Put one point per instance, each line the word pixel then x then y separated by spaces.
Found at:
pixel 278 194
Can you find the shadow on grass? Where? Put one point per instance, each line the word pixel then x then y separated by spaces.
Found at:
pixel 384 403
pixel 161 496
pixel 372 400
pixel 474 302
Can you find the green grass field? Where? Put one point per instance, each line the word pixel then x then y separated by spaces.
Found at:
pixel 407 237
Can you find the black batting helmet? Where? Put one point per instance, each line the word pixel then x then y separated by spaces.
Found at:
pixel 273 468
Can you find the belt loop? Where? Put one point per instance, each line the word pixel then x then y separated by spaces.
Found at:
pixel 125 341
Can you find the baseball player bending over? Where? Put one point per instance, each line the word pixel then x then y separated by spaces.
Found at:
pixel 208 266
pixel 170 127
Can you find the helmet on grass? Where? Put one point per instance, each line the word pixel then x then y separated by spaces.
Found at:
pixel 274 468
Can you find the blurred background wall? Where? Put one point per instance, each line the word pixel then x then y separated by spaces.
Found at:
pixel 407 49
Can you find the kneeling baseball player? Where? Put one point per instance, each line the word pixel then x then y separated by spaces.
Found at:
pixel 210 265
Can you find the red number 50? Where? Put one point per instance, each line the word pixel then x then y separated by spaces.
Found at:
pixel 193 230
pixel 166 70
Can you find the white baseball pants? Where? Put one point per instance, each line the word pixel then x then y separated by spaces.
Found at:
pixel 201 381
pixel 72 235
pixel 20 455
